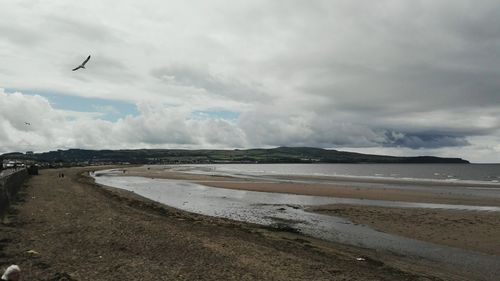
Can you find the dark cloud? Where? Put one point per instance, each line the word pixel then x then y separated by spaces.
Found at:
pixel 201 78
pixel 422 140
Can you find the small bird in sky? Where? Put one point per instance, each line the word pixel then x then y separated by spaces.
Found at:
pixel 83 64
pixel 27 123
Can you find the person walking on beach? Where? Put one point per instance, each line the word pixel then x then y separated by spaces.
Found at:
pixel 12 273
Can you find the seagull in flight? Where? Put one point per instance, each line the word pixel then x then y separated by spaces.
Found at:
pixel 83 64
pixel 27 123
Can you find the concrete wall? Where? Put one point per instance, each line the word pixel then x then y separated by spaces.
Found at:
pixel 9 186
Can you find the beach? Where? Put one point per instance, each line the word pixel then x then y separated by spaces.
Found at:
pixel 88 232
pixel 471 230
pixel 72 228
pixel 319 186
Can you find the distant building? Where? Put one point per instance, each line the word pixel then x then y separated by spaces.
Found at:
pixel 9 164
pixel 15 163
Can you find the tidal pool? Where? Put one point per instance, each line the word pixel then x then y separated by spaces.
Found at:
pixel 277 209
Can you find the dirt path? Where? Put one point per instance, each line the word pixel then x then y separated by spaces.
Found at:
pixel 79 231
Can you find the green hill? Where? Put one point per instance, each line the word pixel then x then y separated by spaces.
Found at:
pixel 273 155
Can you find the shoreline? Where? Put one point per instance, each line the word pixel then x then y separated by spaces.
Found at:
pixel 470 230
pixel 296 185
pixel 83 231
pixel 477 231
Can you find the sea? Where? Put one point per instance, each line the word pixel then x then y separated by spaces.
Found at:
pixel 476 173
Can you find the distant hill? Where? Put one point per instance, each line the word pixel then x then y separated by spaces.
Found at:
pixel 273 155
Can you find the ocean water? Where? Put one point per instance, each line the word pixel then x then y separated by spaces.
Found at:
pixel 485 173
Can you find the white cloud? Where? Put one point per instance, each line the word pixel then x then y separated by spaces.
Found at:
pixel 156 126
pixel 320 73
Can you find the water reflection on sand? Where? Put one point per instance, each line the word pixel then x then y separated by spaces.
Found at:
pixel 288 210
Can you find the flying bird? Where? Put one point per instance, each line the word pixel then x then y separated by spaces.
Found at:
pixel 82 65
pixel 27 123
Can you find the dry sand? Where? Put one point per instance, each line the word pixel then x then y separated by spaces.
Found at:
pixel 71 229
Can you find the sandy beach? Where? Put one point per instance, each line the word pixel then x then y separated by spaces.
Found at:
pixel 471 230
pixel 293 185
pixel 70 228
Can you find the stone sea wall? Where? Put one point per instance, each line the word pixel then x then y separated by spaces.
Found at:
pixel 9 186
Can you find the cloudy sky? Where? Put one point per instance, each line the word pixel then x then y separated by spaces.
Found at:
pixel 401 77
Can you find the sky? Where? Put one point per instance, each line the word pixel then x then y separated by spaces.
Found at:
pixel 398 77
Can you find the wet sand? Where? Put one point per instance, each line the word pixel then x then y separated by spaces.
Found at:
pixel 302 185
pixel 471 230
pixel 71 228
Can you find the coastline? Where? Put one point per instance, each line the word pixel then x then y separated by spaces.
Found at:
pixel 470 230
pixel 82 231
pixel 320 186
